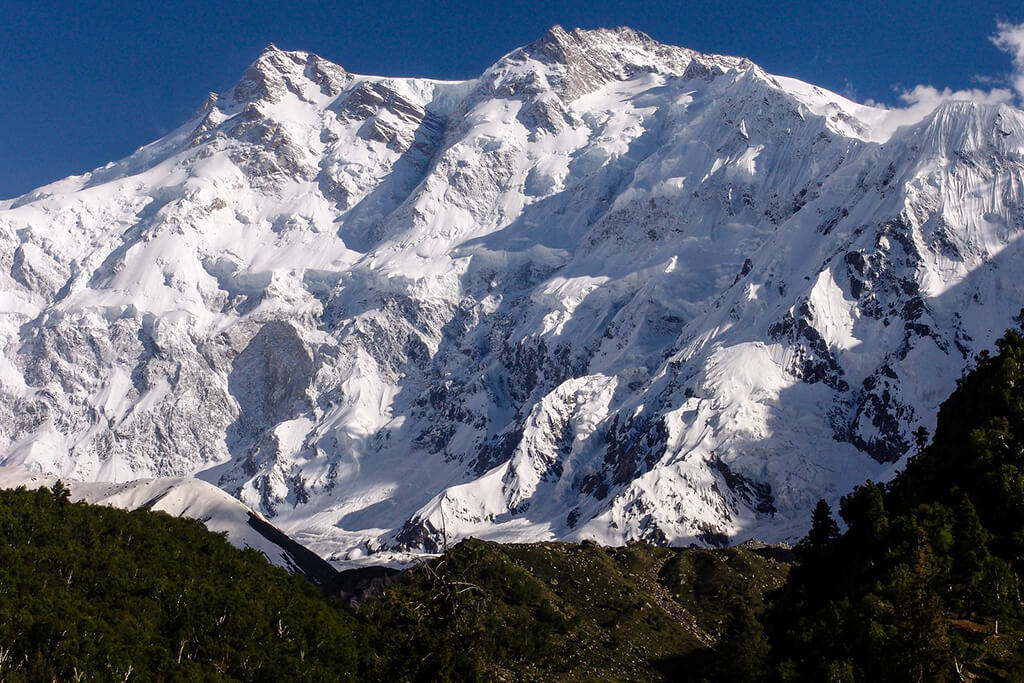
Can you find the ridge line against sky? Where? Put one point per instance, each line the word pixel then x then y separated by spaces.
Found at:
pixel 84 85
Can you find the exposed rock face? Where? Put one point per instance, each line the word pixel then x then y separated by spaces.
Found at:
pixel 611 289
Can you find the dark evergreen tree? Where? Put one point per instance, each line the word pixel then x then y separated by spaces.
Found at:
pixel 919 650
pixel 864 512
pixel 742 649
pixel 970 558
pixel 61 493
pixel 824 530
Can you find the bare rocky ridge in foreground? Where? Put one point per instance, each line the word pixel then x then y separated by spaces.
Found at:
pixel 610 289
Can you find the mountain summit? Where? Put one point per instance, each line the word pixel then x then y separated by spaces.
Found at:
pixel 610 289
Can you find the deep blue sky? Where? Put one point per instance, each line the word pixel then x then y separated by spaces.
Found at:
pixel 83 83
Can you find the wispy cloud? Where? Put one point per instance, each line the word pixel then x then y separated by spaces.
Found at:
pixel 1010 39
pixel 922 100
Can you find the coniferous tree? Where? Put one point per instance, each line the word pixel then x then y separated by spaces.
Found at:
pixel 920 650
pixel 970 558
pixel 742 648
pixel 61 493
pixel 864 512
pixel 824 530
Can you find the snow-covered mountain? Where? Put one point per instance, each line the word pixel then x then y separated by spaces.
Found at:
pixel 610 289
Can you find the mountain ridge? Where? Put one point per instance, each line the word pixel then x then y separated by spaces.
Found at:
pixel 610 289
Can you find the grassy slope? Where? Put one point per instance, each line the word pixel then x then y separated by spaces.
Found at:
pixel 571 612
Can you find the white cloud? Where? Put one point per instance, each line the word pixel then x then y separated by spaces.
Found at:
pixel 922 100
pixel 1010 39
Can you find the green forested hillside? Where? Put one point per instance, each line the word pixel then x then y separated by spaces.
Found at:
pixel 925 583
pixel 99 594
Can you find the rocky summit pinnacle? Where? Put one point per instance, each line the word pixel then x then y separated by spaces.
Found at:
pixel 610 289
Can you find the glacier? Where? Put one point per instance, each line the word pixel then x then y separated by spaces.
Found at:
pixel 611 289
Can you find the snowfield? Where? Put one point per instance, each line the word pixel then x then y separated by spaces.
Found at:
pixel 610 289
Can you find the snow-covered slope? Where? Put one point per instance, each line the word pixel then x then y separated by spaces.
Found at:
pixel 195 499
pixel 610 289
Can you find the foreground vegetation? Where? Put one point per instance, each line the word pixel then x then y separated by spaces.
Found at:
pixel 568 612
pixel 924 585
pixel 95 593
